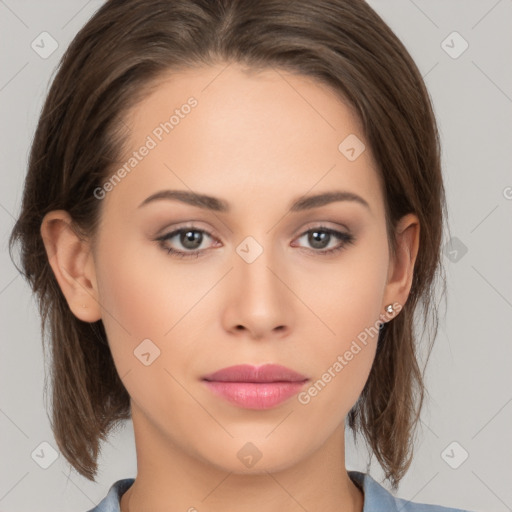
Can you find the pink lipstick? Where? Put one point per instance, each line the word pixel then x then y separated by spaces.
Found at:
pixel 254 387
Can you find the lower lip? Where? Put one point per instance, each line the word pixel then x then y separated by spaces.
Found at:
pixel 255 395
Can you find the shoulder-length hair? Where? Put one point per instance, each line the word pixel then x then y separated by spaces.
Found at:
pixel 114 60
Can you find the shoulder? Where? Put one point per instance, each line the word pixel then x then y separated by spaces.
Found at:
pixel 379 499
pixel 110 503
pixel 376 498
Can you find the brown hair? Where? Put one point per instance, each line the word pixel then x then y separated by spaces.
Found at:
pixel 110 65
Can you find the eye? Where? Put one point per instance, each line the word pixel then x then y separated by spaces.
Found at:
pixel 189 238
pixel 320 237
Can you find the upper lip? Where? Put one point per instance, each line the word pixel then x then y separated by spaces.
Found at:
pixel 249 373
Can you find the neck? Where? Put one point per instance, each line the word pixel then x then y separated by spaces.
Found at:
pixel 171 480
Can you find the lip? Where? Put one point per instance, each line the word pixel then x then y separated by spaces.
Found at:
pixel 252 387
pixel 250 373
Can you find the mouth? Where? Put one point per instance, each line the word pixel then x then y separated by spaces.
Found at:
pixel 251 387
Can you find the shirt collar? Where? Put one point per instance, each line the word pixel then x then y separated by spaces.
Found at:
pixel 376 497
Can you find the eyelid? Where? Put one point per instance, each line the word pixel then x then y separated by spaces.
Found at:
pixel 196 225
pixel 321 225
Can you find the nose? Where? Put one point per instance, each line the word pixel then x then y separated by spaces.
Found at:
pixel 258 304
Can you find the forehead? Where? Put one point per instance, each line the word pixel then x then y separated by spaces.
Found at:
pixel 222 129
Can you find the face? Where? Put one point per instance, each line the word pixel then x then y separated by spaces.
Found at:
pixel 256 276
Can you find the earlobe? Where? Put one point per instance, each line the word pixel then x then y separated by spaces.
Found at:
pixel 72 264
pixel 401 269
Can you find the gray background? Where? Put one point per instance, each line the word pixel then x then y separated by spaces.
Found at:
pixel 468 376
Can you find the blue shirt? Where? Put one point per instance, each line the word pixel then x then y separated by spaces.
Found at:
pixel 376 497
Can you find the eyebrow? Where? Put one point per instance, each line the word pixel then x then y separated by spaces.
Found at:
pixel 219 205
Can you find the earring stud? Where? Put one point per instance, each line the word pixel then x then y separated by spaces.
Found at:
pixel 390 309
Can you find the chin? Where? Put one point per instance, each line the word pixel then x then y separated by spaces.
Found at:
pixel 254 455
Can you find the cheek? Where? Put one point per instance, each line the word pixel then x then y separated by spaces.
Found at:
pixel 347 300
pixel 139 307
pixel 346 294
pixel 144 295
pixel 142 289
pixel 133 306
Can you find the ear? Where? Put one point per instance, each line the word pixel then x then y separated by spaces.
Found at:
pixel 401 267
pixel 73 265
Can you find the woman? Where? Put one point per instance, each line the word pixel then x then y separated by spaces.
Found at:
pixel 231 214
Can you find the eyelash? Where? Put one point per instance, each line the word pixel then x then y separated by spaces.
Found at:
pixel 346 238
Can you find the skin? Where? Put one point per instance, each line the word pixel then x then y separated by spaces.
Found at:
pixel 257 140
